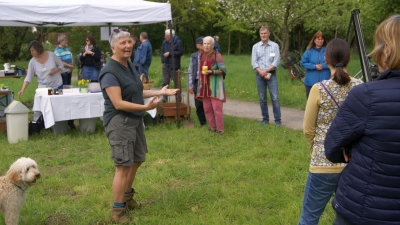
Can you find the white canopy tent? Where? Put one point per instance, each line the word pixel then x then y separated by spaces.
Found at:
pixel 82 12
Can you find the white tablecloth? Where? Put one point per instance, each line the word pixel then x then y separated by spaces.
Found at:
pixel 69 107
pixel 73 106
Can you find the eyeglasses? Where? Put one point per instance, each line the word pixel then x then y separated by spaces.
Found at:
pixel 116 31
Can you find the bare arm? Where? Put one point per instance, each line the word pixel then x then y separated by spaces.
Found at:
pixel 24 85
pixel 163 91
pixel 114 93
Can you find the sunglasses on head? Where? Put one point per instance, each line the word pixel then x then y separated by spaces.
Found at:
pixel 116 31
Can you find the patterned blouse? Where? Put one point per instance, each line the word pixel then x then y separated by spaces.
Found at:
pixel 319 114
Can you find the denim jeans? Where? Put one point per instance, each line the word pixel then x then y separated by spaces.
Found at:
pixel 90 73
pixel 308 89
pixel 66 78
pixel 272 85
pixel 340 220
pixel 318 191
pixel 144 69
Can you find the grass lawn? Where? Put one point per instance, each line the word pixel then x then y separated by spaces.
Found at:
pixel 251 175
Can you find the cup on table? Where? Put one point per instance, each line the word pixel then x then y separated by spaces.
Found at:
pixel 204 69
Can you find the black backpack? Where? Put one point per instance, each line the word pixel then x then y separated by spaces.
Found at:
pixel 36 126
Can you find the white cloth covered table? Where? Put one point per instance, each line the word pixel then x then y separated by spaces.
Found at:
pixel 69 107
pixel 73 106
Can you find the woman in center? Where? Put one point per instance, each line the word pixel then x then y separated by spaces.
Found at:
pixel 323 103
pixel 211 87
pixel 124 108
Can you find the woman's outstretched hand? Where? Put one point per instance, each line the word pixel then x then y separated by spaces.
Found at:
pixel 166 91
pixel 152 103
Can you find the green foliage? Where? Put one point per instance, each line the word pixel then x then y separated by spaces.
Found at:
pixel 236 22
pixel 13 43
pixel 373 12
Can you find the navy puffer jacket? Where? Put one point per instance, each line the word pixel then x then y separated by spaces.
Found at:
pixel 369 121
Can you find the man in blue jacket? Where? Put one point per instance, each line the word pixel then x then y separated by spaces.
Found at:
pixel 171 46
pixel 143 55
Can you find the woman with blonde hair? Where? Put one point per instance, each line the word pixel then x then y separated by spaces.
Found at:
pixel 368 122
pixel 313 62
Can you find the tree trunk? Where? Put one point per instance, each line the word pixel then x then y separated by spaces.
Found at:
pixel 229 43
pixel 133 30
pixel 240 43
pixel 284 34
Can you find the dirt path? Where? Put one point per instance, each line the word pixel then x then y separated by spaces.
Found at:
pixel 292 118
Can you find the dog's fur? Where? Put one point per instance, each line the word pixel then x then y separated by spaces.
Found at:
pixel 22 174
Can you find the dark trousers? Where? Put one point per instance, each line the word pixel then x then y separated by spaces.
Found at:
pixel 308 89
pixel 167 75
pixel 66 78
pixel 200 111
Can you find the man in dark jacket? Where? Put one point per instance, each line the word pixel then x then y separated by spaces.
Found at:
pixel 193 78
pixel 368 121
pixel 172 46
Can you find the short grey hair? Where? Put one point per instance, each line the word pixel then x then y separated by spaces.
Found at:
pixel 168 31
pixel 144 35
pixel 216 38
pixel 209 38
pixel 265 28
pixel 61 38
pixel 114 36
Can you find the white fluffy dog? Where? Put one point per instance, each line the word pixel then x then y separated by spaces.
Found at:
pixel 22 174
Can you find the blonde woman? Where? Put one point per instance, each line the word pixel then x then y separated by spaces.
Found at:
pixel 369 122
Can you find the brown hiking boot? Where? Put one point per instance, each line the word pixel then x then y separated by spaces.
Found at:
pixel 130 202
pixel 120 215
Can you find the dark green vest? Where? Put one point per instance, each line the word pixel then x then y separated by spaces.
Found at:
pixel 131 90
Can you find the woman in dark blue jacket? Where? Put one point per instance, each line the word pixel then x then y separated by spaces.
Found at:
pixel 313 62
pixel 369 122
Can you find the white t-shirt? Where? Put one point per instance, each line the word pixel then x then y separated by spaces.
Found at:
pixel 42 71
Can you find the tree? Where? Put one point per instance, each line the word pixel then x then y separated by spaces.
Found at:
pixel 283 16
pixel 373 12
pixel 13 43
pixel 194 17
